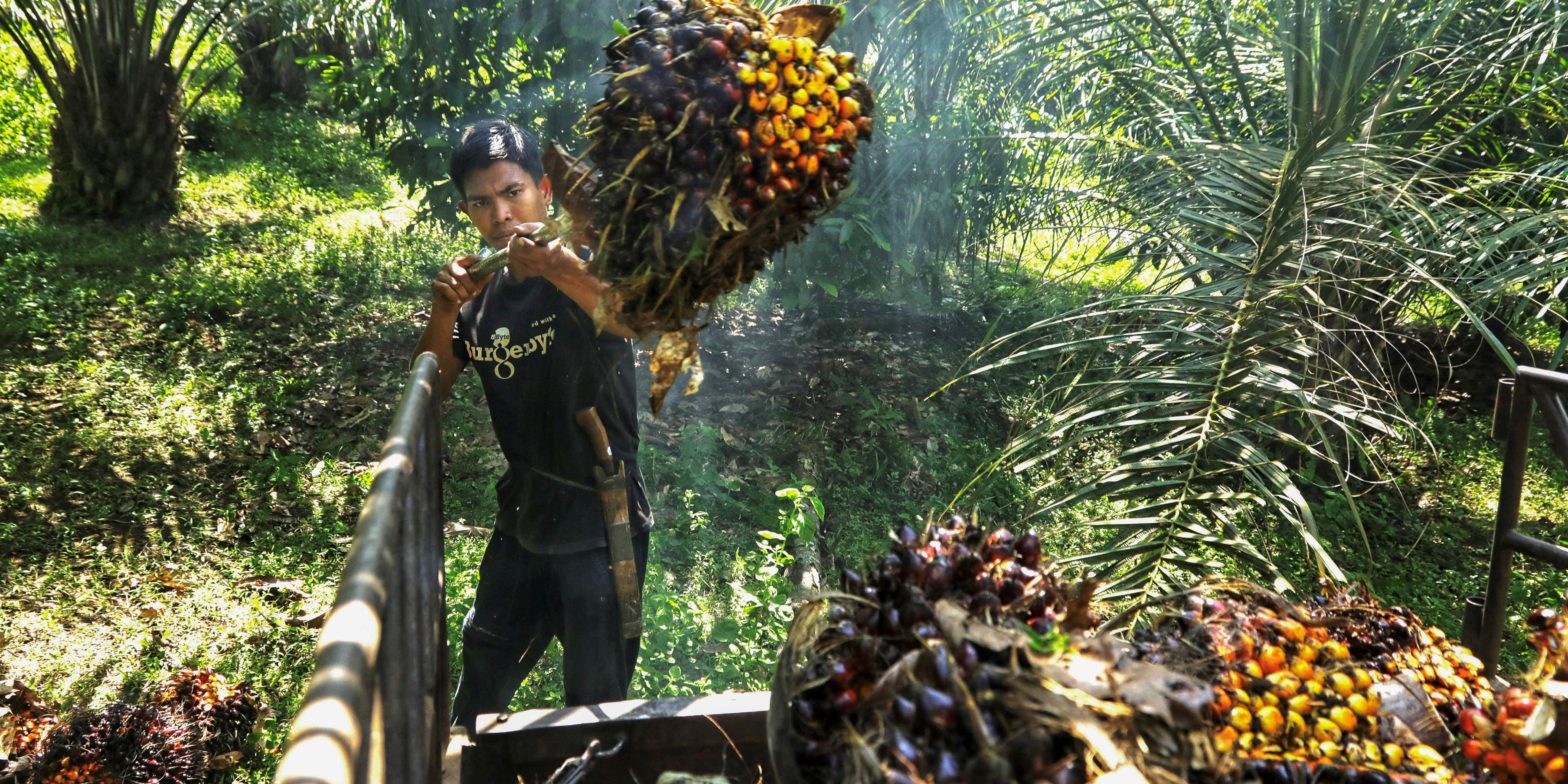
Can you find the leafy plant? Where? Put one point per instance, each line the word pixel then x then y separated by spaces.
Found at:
pixel 120 75
pixel 1290 175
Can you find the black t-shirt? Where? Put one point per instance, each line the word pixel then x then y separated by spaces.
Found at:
pixel 541 362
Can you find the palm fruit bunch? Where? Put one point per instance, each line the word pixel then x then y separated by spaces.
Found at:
pixel 722 135
pixel 224 714
pixel 1394 640
pixel 1508 739
pixel 136 744
pixel 1290 698
pixel 25 725
pixel 931 668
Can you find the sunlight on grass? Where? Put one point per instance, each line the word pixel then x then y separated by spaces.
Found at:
pixel 23 182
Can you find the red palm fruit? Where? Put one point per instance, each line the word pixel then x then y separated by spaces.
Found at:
pixel 1476 724
pixel 1520 707
pixel 1473 749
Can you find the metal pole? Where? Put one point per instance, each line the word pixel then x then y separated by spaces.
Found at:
pixel 1514 458
pixel 1470 628
pixel 339 735
pixel 1500 404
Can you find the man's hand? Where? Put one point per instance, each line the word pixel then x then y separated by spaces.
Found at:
pixel 547 260
pixel 453 285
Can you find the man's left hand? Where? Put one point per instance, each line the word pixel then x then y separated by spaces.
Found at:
pixel 547 260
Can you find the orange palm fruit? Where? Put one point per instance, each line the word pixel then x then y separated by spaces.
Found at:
pixel 778 103
pixel 848 108
pixel 1334 650
pixel 1271 658
pixel 1362 678
pixel 1393 754
pixel 757 100
pixel 1295 724
pixel 794 76
pixel 1556 769
pixel 1270 721
pixel 802 134
pixel 1341 684
pixel 768 79
pixel 1292 630
pixel 800 97
pixel 1284 683
pixel 783 49
pixel 805 49
pixel 1343 717
pixel 1241 719
pixel 1303 669
pixel 1424 756
pixel 796 112
pixel 1225 739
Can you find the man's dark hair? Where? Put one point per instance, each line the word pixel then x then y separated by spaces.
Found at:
pixel 488 141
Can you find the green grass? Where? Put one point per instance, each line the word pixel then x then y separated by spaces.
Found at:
pixel 191 405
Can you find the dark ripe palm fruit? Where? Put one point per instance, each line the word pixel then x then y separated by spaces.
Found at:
pixel 904 749
pixel 985 602
pixel 937 707
pixel 1028 549
pixel 948 770
pixel 903 710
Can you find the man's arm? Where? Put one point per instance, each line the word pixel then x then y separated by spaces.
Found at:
pixel 553 262
pixel 451 288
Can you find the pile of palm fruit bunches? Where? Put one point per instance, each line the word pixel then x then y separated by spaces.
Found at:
pixel 722 135
pixel 194 726
pixel 939 665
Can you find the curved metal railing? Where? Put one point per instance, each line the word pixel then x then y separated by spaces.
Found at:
pixel 376 708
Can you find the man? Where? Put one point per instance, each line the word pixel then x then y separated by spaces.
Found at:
pixel 528 331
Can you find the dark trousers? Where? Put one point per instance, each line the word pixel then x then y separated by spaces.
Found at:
pixel 526 599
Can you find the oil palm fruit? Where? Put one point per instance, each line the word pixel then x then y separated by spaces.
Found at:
pixel 674 231
pixel 25 723
pixel 884 666
pixel 1293 683
pixel 124 743
pixel 223 713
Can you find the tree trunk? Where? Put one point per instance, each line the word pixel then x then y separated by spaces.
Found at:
pixel 268 71
pixel 115 146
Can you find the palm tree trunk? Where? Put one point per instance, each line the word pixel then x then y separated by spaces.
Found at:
pixel 118 156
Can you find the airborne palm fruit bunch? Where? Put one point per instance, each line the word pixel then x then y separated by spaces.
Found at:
pixel 225 714
pixel 723 134
pixel 882 686
pixel 1508 739
pixel 124 743
pixel 1301 690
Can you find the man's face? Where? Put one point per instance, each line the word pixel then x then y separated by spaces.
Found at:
pixel 500 196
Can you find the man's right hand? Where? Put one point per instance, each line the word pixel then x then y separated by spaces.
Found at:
pixel 453 286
